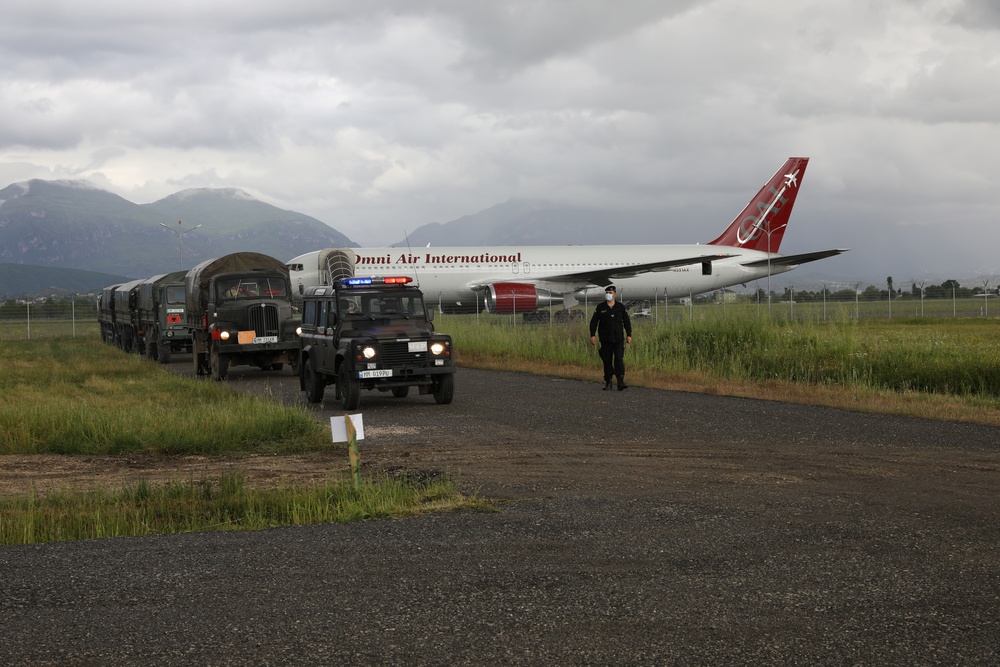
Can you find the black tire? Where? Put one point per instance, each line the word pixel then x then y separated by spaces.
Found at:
pixel 314 384
pixel 445 389
pixel 350 390
pixel 400 392
pixel 151 350
pixel 277 367
pixel 219 363
pixel 163 353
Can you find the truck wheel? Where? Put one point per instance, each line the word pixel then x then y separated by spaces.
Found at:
pixel 350 390
pixel 163 353
pixel 445 389
pixel 219 364
pixel 200 363
pixel 151 350
pixel 314 384
pixel 400 392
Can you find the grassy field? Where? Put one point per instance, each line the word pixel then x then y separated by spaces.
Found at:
pixel 223 504
pixel 945 368
pixel 77 396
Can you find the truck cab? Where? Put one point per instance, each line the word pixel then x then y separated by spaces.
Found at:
pixel 374 334
pixel 239 313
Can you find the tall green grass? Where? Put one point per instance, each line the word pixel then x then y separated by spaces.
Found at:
pixel 228 504
pixel 79 396
pixel 932 355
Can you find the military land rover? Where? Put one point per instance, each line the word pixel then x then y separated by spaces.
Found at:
pixel 373 334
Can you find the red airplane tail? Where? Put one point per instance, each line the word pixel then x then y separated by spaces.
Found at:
pixel 762 223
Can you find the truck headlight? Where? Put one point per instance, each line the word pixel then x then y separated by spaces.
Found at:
pixel 368 352
pixel 224 335
pixel 437 349
pixel 298 331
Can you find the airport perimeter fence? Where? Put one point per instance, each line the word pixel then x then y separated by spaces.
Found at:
pixel 812 308
pixel 20 320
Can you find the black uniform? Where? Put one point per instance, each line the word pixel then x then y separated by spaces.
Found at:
pixel 612 325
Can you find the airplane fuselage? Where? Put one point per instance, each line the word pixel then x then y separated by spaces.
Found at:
pixel 457 275
pixel 521 279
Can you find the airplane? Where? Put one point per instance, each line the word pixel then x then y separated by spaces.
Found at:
pixel 524 279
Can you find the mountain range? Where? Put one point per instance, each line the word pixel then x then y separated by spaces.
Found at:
pixel 73 225
pixel 71 237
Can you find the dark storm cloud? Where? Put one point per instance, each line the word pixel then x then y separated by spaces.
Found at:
pixel 403 112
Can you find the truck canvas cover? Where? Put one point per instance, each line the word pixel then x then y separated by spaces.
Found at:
pixel 197 279
pixel 147 286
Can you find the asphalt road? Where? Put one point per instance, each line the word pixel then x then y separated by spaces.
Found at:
pixel 636 527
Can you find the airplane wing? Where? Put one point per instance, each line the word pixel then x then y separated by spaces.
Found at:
pixel 795 260
pixel 608 274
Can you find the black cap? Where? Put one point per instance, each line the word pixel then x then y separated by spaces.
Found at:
pixel 610 288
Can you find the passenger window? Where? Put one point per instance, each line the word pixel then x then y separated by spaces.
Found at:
pixel 309 313
pixel 323 313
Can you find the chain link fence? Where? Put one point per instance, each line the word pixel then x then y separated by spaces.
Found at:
pixel 49 318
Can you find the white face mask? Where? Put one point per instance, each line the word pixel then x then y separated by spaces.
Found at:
pixel 609 296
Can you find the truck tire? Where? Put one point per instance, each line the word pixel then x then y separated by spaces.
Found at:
pixel 444 391
pixel 151 350
pixel 400 392
pixel 314 384
pixel 163 353
pixel 219 364
pixel 350 390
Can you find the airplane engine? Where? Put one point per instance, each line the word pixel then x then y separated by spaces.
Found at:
pixel 514 298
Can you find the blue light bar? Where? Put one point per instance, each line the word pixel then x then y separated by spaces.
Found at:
pixel 375 280
pixel 354 282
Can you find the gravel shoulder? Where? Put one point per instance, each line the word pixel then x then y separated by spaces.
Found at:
pixel 636 527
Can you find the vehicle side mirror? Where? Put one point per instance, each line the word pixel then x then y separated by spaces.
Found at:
pixel 430 314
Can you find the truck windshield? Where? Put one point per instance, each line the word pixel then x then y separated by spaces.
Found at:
pixel 252 288
pixel 175 293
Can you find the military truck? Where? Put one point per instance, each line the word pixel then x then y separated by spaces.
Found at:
pixel 162 328
pixel 238 312
pixel 125 317
pixel 373 334
pixel 106 313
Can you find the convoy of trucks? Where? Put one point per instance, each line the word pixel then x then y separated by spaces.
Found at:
pixel 239 309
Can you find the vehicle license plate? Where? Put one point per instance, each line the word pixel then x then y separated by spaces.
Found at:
pixel 384 373
pixel 265 339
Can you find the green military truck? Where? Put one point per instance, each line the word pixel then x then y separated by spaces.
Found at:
pixel 239 313
pixel 106 313
pixel 161 316
pixel 373 334
pixel 125 317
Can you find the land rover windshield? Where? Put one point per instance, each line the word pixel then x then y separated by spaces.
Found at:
pixel 381 305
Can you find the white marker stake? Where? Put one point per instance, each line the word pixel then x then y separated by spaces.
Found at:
pixel 350 429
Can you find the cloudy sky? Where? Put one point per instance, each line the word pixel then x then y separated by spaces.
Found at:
pixel 380 116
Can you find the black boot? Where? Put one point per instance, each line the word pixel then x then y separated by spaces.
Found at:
pixel 621 384
pixel 607 385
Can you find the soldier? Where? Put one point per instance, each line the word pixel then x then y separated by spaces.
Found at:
pixel 612 321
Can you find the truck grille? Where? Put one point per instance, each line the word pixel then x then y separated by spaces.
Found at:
pixel 264 320
pixel 395 353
